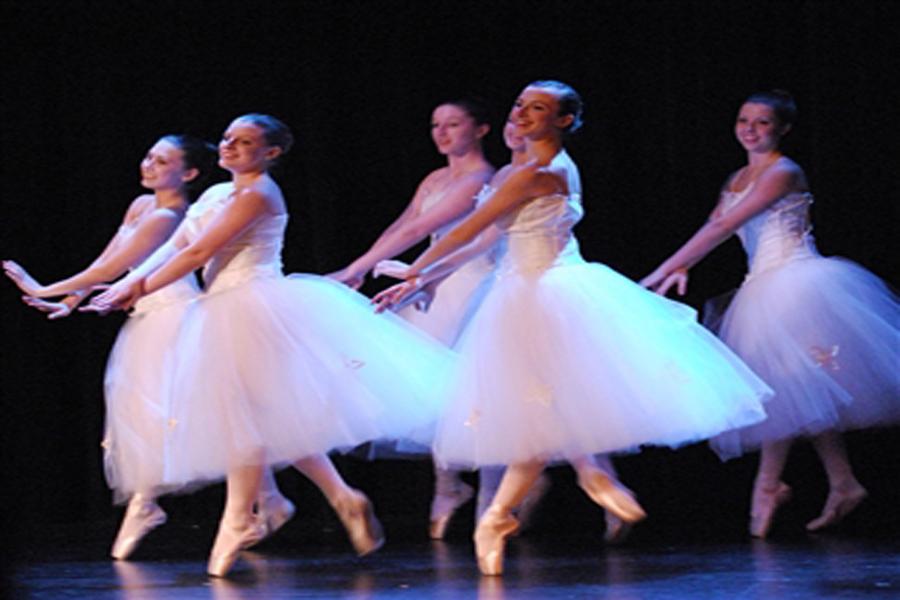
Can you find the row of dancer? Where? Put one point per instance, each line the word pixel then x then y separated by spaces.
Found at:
pixel 790 321
pixel 178 419
pixel 538 378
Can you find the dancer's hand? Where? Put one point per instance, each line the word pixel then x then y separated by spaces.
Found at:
pixel 397 296
pixel 21 278
pixel 54 310
pixel 349 277
pixel 678 278
pixel 120 296
pixel 661 282
pixel 391 268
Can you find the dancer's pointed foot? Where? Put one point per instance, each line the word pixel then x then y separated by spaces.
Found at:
pixel 229 542
pixel 444 506
pixel 356 513
pixel 495 526
pixel 766 501
pixel 839 504
pixel 141 517
pixel 617 530
pixel 272 512
pixel 610 494
pixel 532 500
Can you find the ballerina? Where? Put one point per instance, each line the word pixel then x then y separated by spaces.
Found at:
pixel 443 197
pixel 172 169
pixel 823 332
pixel 273 370
pixel 564 359
pixel 477 260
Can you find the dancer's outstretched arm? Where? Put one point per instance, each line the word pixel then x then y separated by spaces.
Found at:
pixel 413 226
pixel 775 183
pixel 248 206
pixel 122 252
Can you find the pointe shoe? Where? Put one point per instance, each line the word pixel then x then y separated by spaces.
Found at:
pixel 272 512
pixel 765 504
pixel 490 539
pixel 613 496
pixel 617 530
pixel 838 505
pixel 229 543
pixel 358 517
pixel 531 501
pixel 141 517
pixel 443 507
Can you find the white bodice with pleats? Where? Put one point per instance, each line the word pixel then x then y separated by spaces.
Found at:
pixel 779 234
pixel 255 252
pixel 539 235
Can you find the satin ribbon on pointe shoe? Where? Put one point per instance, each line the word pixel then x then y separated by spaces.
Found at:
pixel 141 517
pixel 229 543
pixel 365 532
pixel 444 506
pixel 765 504
pixel 838 505
pixel 490 537
pixel 612 496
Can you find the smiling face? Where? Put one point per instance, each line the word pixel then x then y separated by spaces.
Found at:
pixel 454 131
pixel 163 167
pixel 535 114
pixel 757 128
pixel 244 148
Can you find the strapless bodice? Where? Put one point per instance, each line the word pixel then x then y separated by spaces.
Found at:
pixel 780 233
pixel 538 233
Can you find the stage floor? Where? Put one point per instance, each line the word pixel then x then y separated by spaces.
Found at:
pixel 309 560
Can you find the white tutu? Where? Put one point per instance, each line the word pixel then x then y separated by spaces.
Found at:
pixel 575 359
pixel 275 369
pixel 136 403
pixel 823 333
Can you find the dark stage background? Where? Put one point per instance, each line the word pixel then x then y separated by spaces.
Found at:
pixel 88 86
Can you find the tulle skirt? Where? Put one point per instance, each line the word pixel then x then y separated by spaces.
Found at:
pixel 455 301
pixel 275 369
pixel 823 333
pixel 137 410
pixel 576 360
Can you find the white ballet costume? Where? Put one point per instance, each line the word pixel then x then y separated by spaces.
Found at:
pixel 566 358
pixel 270 369
pixel 137 412
pixel 457 296
pixel 824 333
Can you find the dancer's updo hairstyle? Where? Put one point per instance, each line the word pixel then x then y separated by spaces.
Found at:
pixel 570 102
